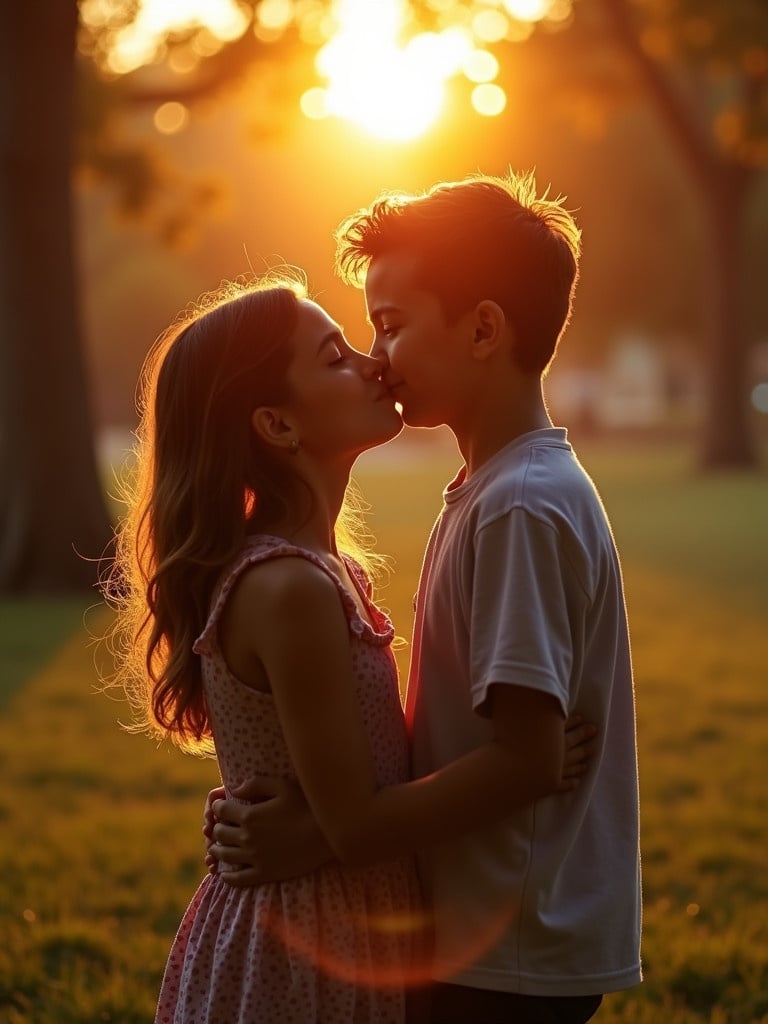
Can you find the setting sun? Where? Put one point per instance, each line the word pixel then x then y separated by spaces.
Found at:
pixel 392 90
pixel 393 86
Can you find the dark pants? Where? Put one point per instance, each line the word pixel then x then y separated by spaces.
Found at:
pixel 457 1004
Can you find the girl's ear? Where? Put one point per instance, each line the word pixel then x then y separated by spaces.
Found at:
pixel 490 326
pixel 272 427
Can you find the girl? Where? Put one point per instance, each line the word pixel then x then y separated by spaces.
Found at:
pixel 247 627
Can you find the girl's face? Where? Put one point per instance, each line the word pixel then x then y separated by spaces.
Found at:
pixel 338 404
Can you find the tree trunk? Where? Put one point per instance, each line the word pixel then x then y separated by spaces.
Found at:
pixel 53 519
pixel 727 439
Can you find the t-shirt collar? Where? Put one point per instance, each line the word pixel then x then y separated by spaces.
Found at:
pixel 459 487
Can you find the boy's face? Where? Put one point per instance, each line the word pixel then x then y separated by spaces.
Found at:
pixel 424 357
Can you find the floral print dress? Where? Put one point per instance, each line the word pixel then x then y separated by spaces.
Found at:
pixel 331 947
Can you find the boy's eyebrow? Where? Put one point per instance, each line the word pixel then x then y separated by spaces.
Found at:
pixel 379 312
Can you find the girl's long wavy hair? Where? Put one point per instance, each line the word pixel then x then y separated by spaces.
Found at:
pixel 200 484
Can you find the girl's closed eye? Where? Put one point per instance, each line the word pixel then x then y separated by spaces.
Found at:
pixel 337 354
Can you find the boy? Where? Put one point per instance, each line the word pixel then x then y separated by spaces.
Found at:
pixel 520 613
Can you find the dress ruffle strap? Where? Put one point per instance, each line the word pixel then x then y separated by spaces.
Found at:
pixel 262 548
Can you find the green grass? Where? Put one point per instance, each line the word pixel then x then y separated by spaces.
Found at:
pixel 29 632
pixel 101 844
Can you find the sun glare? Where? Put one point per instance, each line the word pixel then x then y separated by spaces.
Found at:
pixel 393 90
pixel 371 71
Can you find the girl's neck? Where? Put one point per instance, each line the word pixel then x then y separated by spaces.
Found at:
pixel 315 527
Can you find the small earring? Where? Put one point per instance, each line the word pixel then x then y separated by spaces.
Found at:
pixel 295 447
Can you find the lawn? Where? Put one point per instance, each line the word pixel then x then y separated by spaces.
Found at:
pixel 101 844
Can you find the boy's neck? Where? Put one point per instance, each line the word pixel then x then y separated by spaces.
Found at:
pixel 498 419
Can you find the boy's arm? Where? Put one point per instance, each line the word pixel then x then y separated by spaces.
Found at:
pixel 522 763
pixel 277 837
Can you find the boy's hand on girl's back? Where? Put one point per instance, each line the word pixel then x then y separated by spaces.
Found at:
pixel 578 751
pixel 268 839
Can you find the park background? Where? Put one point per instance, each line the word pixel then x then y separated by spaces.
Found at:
pixel 145 160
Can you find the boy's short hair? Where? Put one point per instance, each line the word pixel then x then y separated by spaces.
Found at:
pixel 480 238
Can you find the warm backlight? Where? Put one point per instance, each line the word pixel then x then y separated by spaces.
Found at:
pixel 393 85
pixel 391 88
pixel 373 70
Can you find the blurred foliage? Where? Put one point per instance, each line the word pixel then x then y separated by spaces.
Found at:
pixel 657 108
pixel 147 185
pixel 708 60
pixel 713 56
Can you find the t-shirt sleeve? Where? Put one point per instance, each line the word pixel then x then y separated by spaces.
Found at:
pixel 520 632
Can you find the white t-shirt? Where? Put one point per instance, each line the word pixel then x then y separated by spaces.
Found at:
pixel 521 586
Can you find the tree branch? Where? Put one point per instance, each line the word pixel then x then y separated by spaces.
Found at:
pixel 707 166
pixel 231 64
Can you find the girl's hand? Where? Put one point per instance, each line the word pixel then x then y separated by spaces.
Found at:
pixel 578 751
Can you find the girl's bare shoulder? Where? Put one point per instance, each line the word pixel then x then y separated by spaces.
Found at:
pixel 280 586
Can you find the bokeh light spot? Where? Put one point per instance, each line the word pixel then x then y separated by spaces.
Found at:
pixel 314 104
pixel 275 15
pixel 171 117
pixel 489 100
pixel 183 60
pixel 481 66
pixel 528 10
pixel 760 397
pixel 491 26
